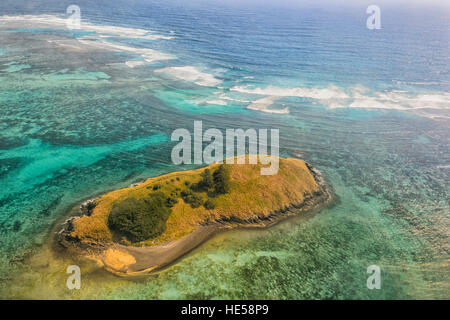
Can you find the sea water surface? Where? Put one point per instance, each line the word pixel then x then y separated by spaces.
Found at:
pixel 86 111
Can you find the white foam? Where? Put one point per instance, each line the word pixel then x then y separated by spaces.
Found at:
pixel 217 102
pixel 192 74
pixel 402 101
pixel 134 63
pixel 264 104
pixel 149 55
pixel 332 92
pixel 97 42
pixel 46 20
pixel 133 33
pixel 426 105
pixel 221 95
pixel 272 93
pixel 356 97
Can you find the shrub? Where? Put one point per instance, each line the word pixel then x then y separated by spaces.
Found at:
pixel 207 181
pixel 185 193
pixel 191 198
pixel 209 204
pixel 141 219
pixel 172 200
pixel 157 187
pixel 222 180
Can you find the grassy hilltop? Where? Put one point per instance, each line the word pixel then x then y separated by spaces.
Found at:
pixel 168 207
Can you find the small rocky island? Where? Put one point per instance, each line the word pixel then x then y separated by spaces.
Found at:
pixel 147 226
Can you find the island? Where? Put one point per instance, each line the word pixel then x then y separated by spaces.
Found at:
pixel 149 225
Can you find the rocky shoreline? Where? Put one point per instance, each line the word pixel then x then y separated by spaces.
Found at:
pixel 124 260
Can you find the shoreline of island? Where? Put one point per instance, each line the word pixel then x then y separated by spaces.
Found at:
pixel 131 261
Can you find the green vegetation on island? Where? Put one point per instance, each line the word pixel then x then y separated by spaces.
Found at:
pixel 169 207
pixel 142 219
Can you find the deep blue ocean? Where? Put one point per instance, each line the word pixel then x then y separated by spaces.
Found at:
pixel 84 111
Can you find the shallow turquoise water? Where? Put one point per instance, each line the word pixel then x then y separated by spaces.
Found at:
pixel 78 123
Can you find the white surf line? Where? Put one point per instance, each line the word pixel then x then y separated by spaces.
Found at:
pixel 46 20
pixel 192 74
pixel 264 104
pixel 149 55
pixel 97 41
pixel 335 97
